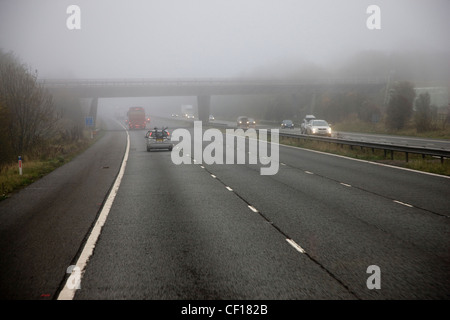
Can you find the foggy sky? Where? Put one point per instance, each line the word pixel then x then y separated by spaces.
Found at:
pixel 210 38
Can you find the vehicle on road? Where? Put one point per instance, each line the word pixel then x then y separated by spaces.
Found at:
pixel 159 139
pixel 186 110
pixel 318 127
pixel 251 123
pixel 211 117
pixel 287 124
pixel 189 116
pixel 305 123
pixel 136 118
pixel 245 122
pixel 242 121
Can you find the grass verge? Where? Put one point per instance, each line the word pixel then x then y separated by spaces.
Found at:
pixel 415 161
pixel 353 124
pixel 32 170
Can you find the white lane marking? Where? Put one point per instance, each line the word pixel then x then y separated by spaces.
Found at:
pixel 403 204
pixel 344 184
pixel 229 189
pixel 202 167
pixel 252 208
pixel 213 176
pixel 283 164
pixel 366 161
pixel 296 246
pixel 309 172
pixel 66 293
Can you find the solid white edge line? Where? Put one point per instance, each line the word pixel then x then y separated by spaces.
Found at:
pixel 296 246
pixel 367 161
pixel 66 293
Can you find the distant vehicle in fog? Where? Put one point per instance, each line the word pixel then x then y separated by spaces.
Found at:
pixel 251 123
pixel 136 118
pixel 241 121
pixel 287 124
pixel 245 122
pixel 187 111
pixel 318 127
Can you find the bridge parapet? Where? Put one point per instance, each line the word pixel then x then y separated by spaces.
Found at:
pixel 208 82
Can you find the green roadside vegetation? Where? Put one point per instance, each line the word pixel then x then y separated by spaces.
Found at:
pixel 415 161
pixel 353 124
pixel 35 168
pixel 45 128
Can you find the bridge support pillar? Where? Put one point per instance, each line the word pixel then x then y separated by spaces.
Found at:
pixel 204 104
pixel 93 110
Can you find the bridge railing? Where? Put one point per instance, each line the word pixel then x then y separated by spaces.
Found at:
pixel 206 82
pixel 440 153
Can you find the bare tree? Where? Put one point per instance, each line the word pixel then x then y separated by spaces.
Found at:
pixel 32 117
pixel 400 106
pixel 422 115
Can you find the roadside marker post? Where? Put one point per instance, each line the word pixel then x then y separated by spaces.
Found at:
pixel 20 165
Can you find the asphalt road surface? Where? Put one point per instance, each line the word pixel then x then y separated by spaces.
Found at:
pixel 323 227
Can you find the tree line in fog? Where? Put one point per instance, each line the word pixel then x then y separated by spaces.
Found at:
pixel 33 122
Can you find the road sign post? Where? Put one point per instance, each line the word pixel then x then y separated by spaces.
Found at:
pixel 89 123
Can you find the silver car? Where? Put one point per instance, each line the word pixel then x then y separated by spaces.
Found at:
pixel 318 127
pixel 158 139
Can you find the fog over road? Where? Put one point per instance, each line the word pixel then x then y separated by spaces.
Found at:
pixel 226 232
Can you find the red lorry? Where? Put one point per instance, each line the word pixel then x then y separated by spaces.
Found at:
pixel 136 118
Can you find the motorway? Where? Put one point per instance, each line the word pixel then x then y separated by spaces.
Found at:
pixel 212 232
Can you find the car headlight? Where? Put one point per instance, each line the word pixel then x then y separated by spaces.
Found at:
pixel 329 130
pixel 314 130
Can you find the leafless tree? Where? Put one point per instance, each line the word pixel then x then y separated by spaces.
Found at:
pixel 31 115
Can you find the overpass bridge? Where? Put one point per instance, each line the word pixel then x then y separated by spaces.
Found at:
pixel 203 88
